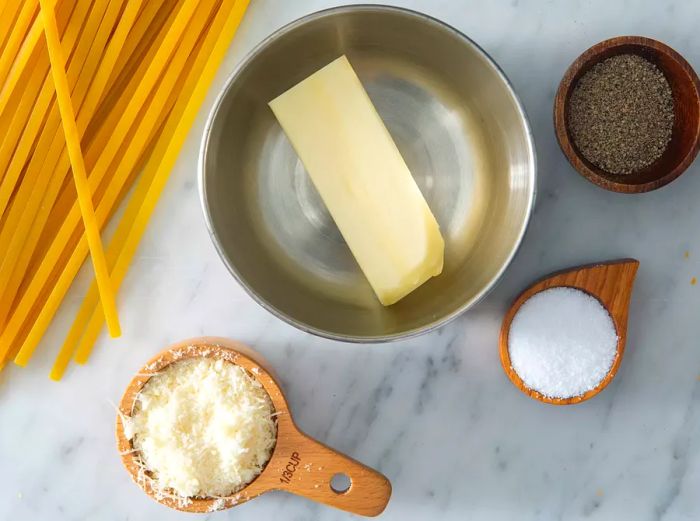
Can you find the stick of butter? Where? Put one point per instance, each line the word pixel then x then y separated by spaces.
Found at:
pixel 362 179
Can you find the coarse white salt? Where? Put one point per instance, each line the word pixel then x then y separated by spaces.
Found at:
pixel 562 342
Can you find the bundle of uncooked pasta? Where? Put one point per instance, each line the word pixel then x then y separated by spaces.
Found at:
pixel 97 98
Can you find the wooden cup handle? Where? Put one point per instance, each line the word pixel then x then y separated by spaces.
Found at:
pixel 310 468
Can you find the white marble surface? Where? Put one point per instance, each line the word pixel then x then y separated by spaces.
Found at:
pixel 436 414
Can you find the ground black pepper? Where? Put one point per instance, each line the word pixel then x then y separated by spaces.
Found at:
pixel 621 114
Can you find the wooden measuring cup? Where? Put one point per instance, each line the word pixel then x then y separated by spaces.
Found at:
pixel 298 464
pixel 609 282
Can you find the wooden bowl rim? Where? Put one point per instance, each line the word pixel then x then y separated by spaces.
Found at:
pixel 526 295
pixel 205 347
pixel 562 98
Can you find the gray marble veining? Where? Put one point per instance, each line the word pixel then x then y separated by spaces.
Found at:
pixel 436 414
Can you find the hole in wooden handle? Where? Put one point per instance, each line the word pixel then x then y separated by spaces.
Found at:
pixel 340 483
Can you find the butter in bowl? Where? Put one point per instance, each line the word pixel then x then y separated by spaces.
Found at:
pixel 362 179
pixel 388 188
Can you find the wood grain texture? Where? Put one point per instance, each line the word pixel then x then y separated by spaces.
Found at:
pixel 685 138
pixel 306 464
pixel 611 283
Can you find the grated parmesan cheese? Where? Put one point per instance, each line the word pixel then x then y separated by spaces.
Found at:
pixel 202 428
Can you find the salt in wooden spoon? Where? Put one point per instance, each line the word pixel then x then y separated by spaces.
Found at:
pixel 611 283
pixel 298 464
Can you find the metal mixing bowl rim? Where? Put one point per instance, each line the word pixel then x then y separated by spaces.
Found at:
pixel 532 161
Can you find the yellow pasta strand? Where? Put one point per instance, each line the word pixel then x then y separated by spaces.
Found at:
pixel 19 31
pixel 65 256
pixel 8 14
pixel 65 354
pixel 36 306
pixel 150 77
pixel 44 277
pixel 77 255
pixel 14 100
pixel 26 51
pixel 70 128
pixel 18 122
pixel 115 133
pixel 93 73
pixel 127 160
pixel 162 166
pixel 25 126
pixel 39 228
pixel 50 161
pixel 138 119
pixel 31 126
pixel 69 345
pixel 153 14
pixel 181 96
pixel 115 101
pixel 26 209
pixel 81 47
pixel 28 264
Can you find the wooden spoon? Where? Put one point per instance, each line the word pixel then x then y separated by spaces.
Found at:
pixel 609 282
pixel 298 464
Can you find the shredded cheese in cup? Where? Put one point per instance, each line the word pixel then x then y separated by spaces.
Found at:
pixel 202 428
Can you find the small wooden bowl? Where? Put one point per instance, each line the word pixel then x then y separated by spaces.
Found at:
pixel 609 282
pixel 685 139
pixel 298 464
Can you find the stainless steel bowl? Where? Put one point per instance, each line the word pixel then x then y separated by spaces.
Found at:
pixel 459 127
